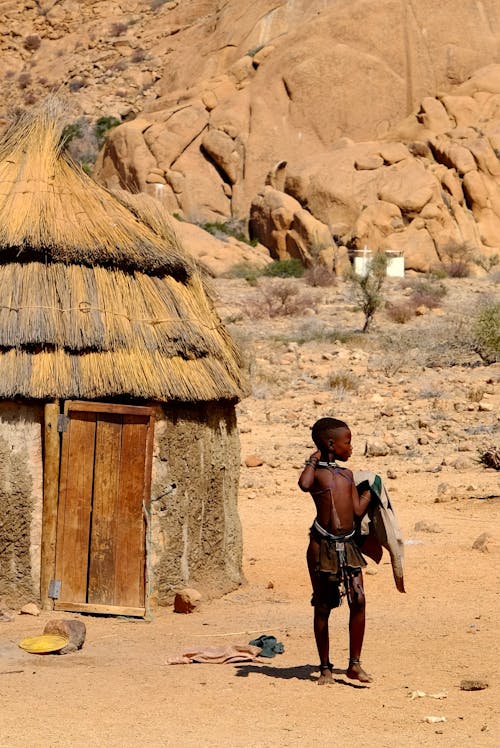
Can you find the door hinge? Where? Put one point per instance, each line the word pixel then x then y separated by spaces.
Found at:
pixel 54 588
pixel 62 422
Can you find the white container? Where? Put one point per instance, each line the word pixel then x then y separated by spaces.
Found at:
pixel 395 263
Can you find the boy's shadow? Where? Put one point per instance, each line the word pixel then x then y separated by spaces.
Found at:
pixel 301 672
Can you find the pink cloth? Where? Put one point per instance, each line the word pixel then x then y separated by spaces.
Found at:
pixel 217 655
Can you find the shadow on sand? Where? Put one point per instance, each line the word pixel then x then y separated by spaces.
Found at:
pixel 301 672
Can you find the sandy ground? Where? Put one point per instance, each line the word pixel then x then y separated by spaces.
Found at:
pixel 119 691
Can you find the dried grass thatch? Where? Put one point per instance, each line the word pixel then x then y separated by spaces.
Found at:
pixel 97 299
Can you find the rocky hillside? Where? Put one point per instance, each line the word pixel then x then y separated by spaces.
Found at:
pixel 212 94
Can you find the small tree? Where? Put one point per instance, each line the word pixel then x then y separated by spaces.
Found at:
pixel 367 288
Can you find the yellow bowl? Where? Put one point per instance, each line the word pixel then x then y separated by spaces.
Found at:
pixel 44 643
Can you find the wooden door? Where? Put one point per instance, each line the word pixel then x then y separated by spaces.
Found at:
pixel 104 487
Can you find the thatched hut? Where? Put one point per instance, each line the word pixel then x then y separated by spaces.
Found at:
pixel 119 453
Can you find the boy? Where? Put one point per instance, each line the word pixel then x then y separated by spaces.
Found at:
pixel 332 556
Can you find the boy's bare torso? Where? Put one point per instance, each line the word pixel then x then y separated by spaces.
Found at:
pixel 332 492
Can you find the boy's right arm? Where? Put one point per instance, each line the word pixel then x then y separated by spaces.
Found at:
pixel 306 479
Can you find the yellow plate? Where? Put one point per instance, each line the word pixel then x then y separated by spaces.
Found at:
pixel 44 643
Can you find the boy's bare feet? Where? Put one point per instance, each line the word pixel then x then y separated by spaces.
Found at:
pixel 356 672
pixel 325 675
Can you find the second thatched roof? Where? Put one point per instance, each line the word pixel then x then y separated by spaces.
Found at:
pixel 97 299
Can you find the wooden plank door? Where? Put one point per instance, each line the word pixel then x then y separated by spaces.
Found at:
pixel 104 479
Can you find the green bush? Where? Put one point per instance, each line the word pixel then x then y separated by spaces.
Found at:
pixel 103 126
pixel 284 269
pixel 233 227
pixel 245 270
pixel 486 333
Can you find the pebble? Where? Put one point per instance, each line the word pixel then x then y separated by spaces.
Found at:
pixel 473 684
pixel 30 610
pixel 423 526
pixel 481 542
pixel 187 600
pixel 253 461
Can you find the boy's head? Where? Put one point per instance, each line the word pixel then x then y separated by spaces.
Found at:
pixel 332 435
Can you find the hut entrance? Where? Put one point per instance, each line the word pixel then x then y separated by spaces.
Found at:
pixel 104 486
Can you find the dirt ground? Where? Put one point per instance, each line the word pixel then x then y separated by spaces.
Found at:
pixel 119 691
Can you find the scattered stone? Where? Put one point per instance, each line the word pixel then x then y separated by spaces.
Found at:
pixel 432 720
pixel 376 449
pixel 74 630
pixel 253 461
pixel 485 407
pixel 187 600
pixel 30 610
pixel 371 571
pixel 481 542
pixel 270 585
pixel 473 684
pixel 391 474
pixel 423 526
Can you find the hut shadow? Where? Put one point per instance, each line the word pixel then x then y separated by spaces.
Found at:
pixel 300 672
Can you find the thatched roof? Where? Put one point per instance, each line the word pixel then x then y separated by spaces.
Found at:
pixel 97 299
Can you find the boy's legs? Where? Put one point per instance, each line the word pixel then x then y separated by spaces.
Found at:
pixel 356 600
pixel 321 614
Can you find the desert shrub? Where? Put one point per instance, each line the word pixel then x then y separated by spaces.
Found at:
pixel 367 288
pixel 490 457
pixel 138 55
pixel 344 380
pixel 401 312
pixel 23 80
pixel 486 333
pixel 320 276
pixel 284 269
pixel 486 263
pixel 233 227
pixel 457 258
pixel 101 128
pixel 79 139
pixel 280 299
pixel 118 28
pixel 245 270
pixel 32 42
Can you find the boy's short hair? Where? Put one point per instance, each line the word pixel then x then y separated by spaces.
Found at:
pixel 323 425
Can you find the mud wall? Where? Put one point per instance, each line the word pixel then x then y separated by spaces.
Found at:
pixel 21 497
pixel 195 528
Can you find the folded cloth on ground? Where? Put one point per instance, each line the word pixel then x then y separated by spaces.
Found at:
pixel 269 644
pixel 216 655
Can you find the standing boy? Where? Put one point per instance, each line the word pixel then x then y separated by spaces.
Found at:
pixel 333 558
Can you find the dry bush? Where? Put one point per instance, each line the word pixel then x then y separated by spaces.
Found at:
pixel 486 333
pixel 402 311
pixel 486 263
pixel 23 80
pixel 343 380
pixel 281 298
pixel 319 276
pixel 457 258
pixel 118 28
pixel 32 42
pixel 490 457
pixel 395 351
pixel 138 55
